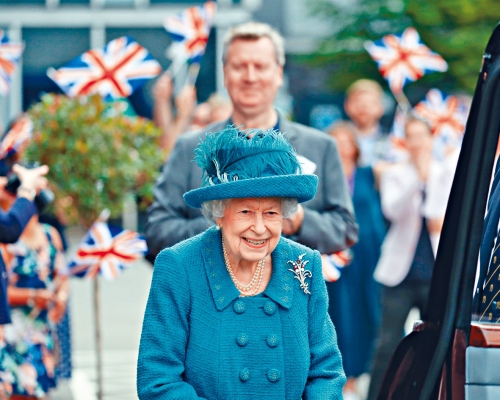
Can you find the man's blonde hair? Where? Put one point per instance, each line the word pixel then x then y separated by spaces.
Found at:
pixel 365 85
pixel 253 31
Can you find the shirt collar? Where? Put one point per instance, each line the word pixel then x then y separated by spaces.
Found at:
pixel 224 292
pixel 276 127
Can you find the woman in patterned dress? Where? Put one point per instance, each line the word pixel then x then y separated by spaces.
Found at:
pixel 38 291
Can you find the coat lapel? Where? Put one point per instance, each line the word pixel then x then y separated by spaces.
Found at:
pixel 221 286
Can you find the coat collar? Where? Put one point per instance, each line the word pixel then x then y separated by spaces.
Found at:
pixel 279 289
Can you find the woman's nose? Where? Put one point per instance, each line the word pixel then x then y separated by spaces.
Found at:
pixel 259 225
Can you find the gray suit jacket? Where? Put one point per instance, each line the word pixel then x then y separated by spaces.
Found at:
pixel 329 224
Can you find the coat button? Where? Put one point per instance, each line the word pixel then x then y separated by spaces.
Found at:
pixel 242 339
pixel 244 374
pixel 273 375
pixel 272 340
pixel 269 308
pixel 239 307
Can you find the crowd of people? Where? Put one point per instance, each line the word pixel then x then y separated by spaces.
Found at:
pixel 240 239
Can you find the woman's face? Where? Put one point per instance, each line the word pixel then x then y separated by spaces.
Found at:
pixel 251 228
pixel 345 144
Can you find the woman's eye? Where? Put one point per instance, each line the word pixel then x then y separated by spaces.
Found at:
pixel 245 212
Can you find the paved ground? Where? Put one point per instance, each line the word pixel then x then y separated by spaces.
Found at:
pixel 122 309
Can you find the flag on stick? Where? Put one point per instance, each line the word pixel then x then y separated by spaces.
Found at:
pixel 446 114
pixel 19 135
pixel 106 250
pixel 115 71
pixel 190 31
pixel 10 55
pixel 404 58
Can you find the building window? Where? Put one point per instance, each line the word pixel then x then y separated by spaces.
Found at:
pixel 45 48
pixel 22 2
pixel 84 2
pixel 119 3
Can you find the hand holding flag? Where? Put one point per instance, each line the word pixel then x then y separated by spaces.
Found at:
pixel 333 264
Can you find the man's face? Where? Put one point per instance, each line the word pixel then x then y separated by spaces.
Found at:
pixel 365 108
pixel 252 75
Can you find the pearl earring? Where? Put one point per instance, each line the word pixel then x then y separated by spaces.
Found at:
pixel 217 227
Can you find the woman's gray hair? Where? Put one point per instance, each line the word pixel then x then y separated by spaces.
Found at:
pixel 214 209
pixel 255 30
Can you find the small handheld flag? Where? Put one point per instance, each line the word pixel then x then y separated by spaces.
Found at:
pixel 115 71
pixel 19 135
pixel 190 31
pixel 404 58
pixel 333 264
pixel 106 250
pixel 446 114
pixel 10 55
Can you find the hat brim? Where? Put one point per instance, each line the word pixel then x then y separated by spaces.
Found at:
pixel 300 187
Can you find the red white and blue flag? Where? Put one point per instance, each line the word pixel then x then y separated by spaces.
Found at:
pixel 446 114
pixel 106 250
pixel 115 71
pixel 190 31
pixel 404 58
pixel 17 137
pixel 333 264
pixel 10 54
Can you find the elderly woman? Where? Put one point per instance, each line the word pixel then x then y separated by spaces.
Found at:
pixel 240 312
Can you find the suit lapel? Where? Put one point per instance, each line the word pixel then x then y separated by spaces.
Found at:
pixel 287 128
pixel 490 229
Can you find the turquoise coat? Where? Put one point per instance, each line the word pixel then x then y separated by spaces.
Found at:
pixel 200 340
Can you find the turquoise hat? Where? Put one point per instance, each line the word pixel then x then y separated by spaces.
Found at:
pixel 247 164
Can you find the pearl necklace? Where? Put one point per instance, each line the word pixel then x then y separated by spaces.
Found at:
pixel 256 279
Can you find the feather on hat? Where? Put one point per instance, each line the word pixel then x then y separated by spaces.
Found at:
pixel 244 164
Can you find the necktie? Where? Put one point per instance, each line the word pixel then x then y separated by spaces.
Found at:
pixel 490 301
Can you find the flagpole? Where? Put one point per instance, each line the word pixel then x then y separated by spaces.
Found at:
pixel 103 217
pixel 403 103
pixel 98 339
pixel 193 71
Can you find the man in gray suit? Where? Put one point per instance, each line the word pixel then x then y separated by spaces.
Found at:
pixel 253 72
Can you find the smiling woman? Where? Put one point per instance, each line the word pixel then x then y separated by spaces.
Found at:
pixel 226 317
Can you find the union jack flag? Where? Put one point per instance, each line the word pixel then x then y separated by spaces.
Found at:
pixel 10 54
pixel 114 71
pixel 19 135
pixel 446 114
pixel 106 250
pixel 190 31
pixel 404 58
pixel 332 264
